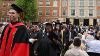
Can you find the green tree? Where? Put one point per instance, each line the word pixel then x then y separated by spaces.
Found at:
pixel 30 9
pixel 0 10
pixel 0 1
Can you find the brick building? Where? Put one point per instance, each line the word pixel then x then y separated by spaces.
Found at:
pixel 4 7
pixel 85 12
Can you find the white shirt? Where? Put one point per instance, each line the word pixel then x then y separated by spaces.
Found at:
pixel 76 51
pixel 93 46
pixel 87 37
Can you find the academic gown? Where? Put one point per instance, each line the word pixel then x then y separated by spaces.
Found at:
pixel 47 46
pixel 14 40
pixel 35 35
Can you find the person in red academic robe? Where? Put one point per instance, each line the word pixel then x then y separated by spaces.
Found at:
pixel 15 37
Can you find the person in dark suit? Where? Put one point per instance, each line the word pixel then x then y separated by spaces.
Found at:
pixel 68 36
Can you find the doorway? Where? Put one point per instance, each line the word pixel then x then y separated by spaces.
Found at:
pixel 86 22
pixel 76 22
pixel 94 22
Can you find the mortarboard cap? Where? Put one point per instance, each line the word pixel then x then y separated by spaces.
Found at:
pixel 48 24
pixel 35 23
pixel 16 8
pixel 58 24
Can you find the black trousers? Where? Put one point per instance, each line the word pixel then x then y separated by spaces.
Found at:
pixel 93 54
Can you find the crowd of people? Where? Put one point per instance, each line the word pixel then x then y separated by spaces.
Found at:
pixel 56 39
pixel 47 39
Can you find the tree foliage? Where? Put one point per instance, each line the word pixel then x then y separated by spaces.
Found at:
pixel 30 9
pixel 0 1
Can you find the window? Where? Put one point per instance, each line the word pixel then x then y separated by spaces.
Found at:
pixel 47 11
pixel 55 3
pixel 47 20
pixel 90 7
pixel 81 7
pixel 90 12
pixel 90 2
pixel 40 0
pixel 55 12
pixel 73 12
pixel 72 7
pixel 81 2
pixel 40 11
pixel 4 5
pixel 81 12
pixel 98 12
pixel 40 3
pixel 47 3
pixel 47 0
pixel 64 3
pixel 64 11
pixel 9 4
pixel 98 3
pixel 72 2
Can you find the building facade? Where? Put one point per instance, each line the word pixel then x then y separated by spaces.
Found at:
pixel 78 12
pixel 98 11
pixel 50 10
pixel 85 12
pixel 4 7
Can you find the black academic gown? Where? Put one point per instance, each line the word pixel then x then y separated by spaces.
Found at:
pixel 14 40
pixel 35 35
pixel 47 46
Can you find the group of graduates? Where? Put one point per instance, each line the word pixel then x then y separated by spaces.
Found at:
pixel 52 39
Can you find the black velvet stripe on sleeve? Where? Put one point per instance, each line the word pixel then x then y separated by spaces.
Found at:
pixel 21 35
